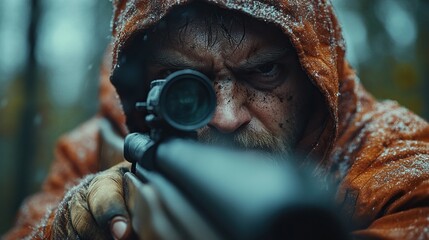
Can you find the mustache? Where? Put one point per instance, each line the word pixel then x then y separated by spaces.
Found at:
pixel 245 139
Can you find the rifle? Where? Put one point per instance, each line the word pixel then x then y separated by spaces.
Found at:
pixel 181 189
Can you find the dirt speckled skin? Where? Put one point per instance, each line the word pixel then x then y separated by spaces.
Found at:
pixel 377 152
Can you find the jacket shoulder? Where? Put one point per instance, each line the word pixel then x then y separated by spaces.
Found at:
pixel 383 157
pixel 76 154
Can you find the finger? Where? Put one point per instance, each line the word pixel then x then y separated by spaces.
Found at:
pixel 119 227
pixel 82 220
pixel 105 201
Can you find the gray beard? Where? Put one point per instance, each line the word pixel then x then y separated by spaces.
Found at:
pixel 248 139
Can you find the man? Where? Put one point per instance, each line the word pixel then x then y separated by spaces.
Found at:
pixel 282 85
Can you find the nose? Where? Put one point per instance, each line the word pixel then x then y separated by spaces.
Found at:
pixel 231 112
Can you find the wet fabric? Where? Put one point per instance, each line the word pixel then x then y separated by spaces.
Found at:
pixel 377 152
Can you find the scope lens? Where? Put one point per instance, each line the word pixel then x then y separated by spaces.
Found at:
pixel 188 102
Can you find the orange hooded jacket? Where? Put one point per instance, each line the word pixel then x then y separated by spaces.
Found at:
pixel 377 152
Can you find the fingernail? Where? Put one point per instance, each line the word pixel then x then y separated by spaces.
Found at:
pixel 118 227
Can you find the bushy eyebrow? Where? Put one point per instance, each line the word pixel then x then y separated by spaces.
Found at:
pixel 177 60
pixel 170 59
pixel 263 57
pixel 173 59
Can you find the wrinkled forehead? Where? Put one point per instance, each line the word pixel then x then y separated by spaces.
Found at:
pixel 206 25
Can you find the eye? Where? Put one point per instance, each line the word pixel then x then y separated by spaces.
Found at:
pixel 268 69
pixel 267 76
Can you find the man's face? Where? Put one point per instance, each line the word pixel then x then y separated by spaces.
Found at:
pixel 263 95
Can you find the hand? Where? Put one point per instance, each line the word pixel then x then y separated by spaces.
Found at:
pixel 95 209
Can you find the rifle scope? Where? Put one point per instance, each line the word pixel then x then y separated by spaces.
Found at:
pixel 185 101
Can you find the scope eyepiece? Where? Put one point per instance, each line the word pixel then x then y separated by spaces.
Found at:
pixel 185 100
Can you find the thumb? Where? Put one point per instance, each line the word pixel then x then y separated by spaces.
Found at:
pixel 107 205
pixel 120 227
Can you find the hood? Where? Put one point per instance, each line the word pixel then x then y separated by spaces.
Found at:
pixel 310 25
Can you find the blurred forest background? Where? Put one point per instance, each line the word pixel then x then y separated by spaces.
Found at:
pixel 50 51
